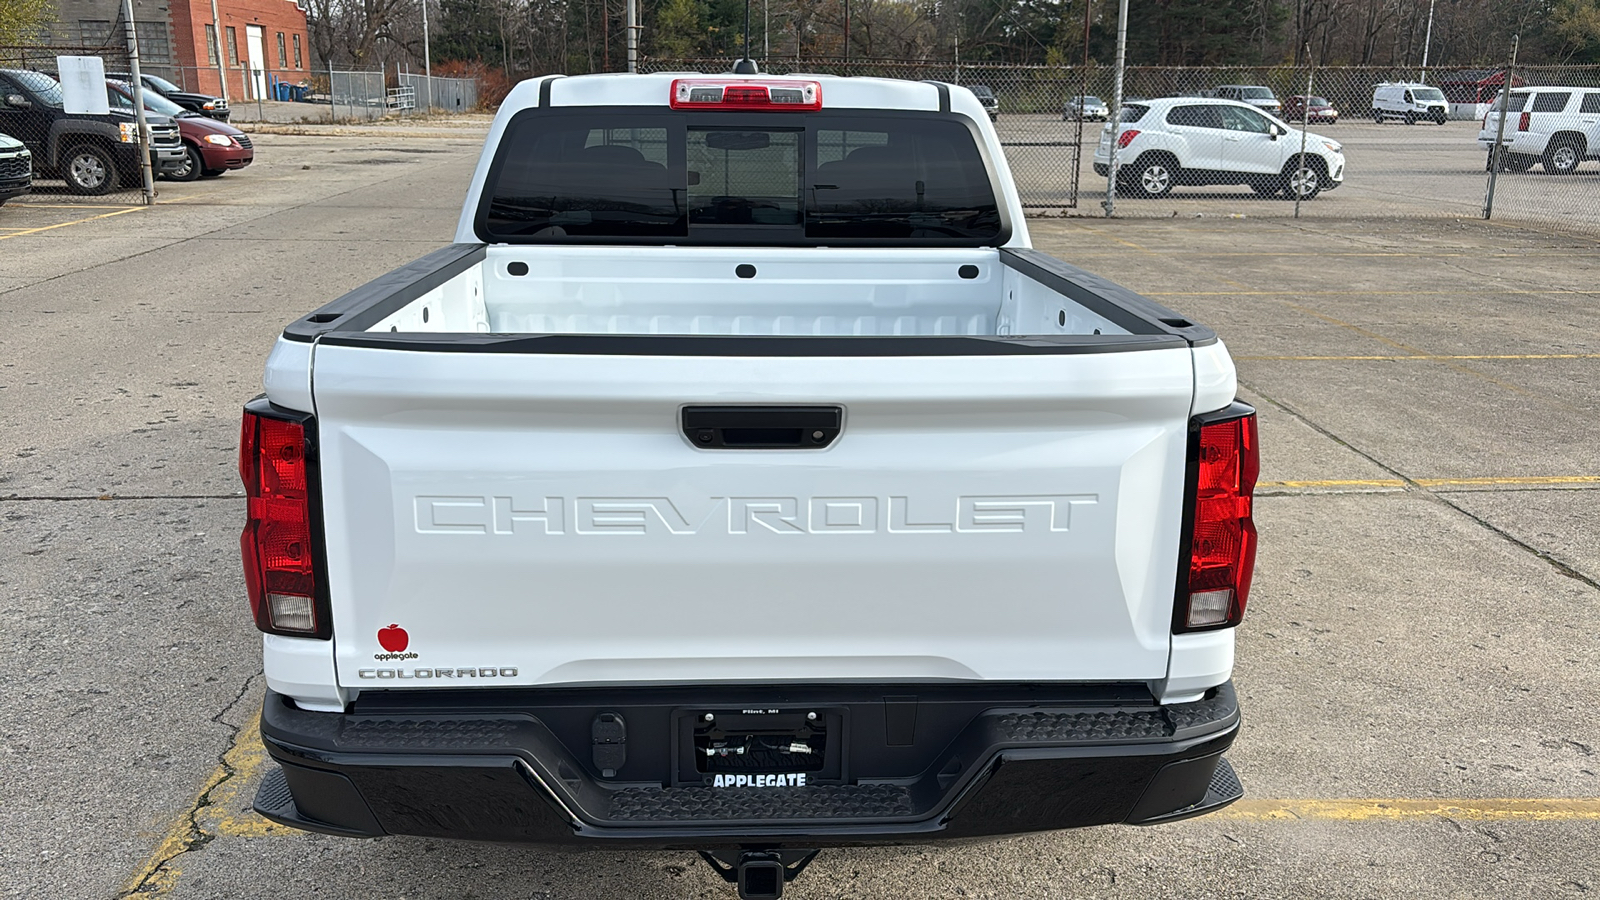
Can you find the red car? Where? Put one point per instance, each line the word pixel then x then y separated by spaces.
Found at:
pixel 212 147
pixel 1295 108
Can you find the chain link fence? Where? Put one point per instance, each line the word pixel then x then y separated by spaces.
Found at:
pixel 86 159
pixel 1415 144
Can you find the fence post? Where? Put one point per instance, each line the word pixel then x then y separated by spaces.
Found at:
pixel 1110 203
pixel 1500 130
pixel 1305 126
pixel 147 177
pixel 333 101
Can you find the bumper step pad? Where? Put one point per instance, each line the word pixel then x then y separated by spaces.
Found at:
pixel 275 803
pixel 698 804
pixel 1225 788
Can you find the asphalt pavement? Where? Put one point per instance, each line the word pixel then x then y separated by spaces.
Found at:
pixel 1417 669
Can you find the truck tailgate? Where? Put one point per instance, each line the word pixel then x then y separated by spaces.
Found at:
pixel 526 518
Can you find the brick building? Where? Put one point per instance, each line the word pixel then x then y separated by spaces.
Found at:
pixel 262 41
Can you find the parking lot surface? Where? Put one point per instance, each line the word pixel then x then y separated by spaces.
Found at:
pixel 1417 669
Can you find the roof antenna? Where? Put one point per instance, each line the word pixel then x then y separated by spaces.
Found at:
pixel 746 65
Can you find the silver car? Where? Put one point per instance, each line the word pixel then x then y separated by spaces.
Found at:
pixel 1089 108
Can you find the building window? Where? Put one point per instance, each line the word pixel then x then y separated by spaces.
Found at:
pixel 283 53
pixel 154 48
pixel 297 56
pixel 94 32
pixel 211 44
pixel 233 45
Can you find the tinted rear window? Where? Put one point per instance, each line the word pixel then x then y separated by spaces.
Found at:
pixel 1133 112
pixel 649 176
pixel 1551 102
pixel 1591 103
pixel 1514 103
pixel 1198 116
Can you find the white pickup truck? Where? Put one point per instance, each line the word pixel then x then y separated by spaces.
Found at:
pixel 741 481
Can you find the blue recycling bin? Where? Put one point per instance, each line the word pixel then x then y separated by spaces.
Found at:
pixel 285 92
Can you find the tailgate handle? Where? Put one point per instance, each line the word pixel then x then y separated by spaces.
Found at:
pixel 762 427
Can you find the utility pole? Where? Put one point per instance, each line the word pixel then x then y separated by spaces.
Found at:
pixel 427 58
pixel 216 41
pixel 846 30
pixel 633 35
pixel 1116 109
pixel 146 175
pixel 1426 41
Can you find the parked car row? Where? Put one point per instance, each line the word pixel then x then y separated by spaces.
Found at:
pixel 99 153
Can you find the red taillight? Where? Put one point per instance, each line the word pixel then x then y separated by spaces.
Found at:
pixel 277 544
pixel 772 95
pixel 1126 138
pixel 1527 119
pixel 1222 538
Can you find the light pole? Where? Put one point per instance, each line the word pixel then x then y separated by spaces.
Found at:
pixel 427 58
pixel 1426 41
pixel 216 41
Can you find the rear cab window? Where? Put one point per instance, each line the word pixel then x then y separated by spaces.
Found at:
pixel 629 175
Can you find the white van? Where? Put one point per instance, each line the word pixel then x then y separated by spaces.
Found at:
pixel 1410 101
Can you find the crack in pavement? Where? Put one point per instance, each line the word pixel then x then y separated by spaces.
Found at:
pixel 1411 484
pixel 158 875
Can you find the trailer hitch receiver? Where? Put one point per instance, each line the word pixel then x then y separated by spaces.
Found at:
pixel 760 874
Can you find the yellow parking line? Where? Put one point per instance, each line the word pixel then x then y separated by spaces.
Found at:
pixel 1426 357
pixel 213 810
pixel 1548 809
pixel 1354 482
pixel 73 222
pixel 70 206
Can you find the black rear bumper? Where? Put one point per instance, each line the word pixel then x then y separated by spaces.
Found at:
pixel 911 764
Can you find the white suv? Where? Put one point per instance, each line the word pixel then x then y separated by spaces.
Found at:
pixel 1558 126
pixel 1192 140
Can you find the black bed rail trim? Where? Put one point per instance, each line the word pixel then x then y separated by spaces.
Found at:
pixel 944 95
pixel 749 345
pixel 382 296
pixel 1135 312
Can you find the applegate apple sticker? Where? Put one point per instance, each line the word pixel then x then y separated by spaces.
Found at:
pixel 395 640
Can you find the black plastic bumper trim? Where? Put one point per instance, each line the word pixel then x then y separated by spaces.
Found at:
pixel 504 775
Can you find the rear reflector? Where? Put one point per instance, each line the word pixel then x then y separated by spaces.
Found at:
pixel 1225 460
pixel 769 95
pixel 277 543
